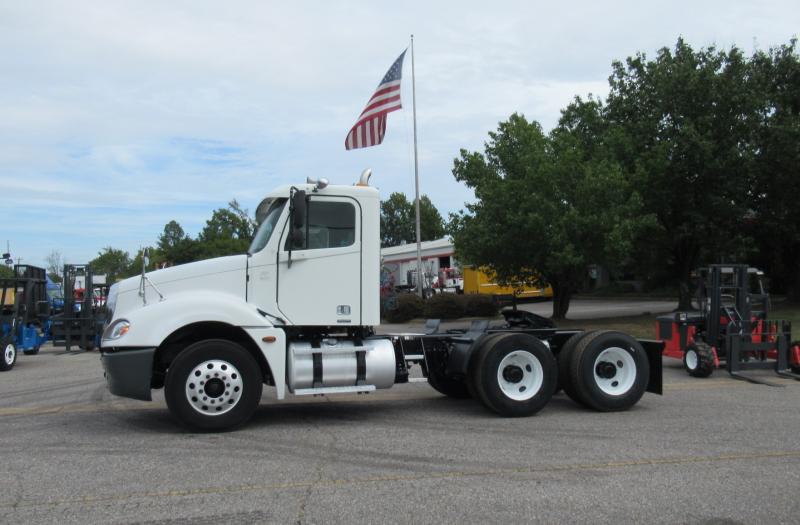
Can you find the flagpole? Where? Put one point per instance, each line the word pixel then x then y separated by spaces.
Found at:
pixel 420 283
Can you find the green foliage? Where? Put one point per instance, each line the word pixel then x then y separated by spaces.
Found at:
pixel 114 263
pixel 398 220
pixel 441 306
pixel 175 246
pixel 775 219
pixel 225 233
pixel 547 206
pixel 444 306
pixel 6 271
pixel 682 126
pixel 477 305
pixel 409 306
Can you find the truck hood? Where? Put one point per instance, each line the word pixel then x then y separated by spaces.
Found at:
pixel 194 270
pixel 227 275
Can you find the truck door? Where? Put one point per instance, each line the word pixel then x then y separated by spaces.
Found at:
pixel 322 286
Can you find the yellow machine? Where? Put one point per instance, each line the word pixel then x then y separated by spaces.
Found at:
pixel 7 296
pixel 481 282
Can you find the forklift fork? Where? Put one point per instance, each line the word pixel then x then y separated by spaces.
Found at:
pixel 738 347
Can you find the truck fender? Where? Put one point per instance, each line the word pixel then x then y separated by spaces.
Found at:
pixel 152 324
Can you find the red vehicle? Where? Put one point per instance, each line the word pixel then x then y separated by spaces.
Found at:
pixel 731 326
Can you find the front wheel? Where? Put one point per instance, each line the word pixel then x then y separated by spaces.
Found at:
pixel 698 360
pixel 213 385
pixel 514 375
pixel 9 355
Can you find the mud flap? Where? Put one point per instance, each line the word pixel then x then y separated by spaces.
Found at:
pixel 653 349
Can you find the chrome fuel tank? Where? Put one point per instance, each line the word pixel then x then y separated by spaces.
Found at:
pixel 338 364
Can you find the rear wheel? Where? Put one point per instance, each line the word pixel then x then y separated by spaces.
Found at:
pixel 564 356
pixel 609 371
pixel 698 360
pixel 9 356
pixel 213 385
pixel 515 375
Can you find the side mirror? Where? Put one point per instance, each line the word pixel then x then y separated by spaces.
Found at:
pixel 298 218
pixel 298 209
pixel 298 238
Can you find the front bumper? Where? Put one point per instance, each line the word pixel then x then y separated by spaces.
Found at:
pixel 129 372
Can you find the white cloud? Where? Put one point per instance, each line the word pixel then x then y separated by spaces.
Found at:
pixel 116 117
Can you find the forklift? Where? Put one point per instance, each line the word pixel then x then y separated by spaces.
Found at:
pixel 81 321
pixel 24 313
pixel 731 325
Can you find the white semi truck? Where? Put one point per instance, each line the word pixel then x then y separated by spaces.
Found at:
pixel 297 311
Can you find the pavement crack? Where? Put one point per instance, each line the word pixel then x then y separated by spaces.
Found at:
pixel 319 471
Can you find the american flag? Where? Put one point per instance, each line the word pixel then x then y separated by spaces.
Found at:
pixel 371 125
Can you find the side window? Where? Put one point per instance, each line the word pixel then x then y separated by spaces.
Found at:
pixel 328 225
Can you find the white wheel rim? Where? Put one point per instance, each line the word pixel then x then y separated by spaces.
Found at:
pixel 615 371
pixel 9 354
pixel 691 359
pixel 214 387
pixel 520 375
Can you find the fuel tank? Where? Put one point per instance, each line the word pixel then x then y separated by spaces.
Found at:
pixel 337 363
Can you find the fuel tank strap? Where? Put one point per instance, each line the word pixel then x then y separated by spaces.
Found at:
pixel 317 363
pixel 361 367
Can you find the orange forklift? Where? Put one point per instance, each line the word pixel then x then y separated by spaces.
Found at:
pixel 730 326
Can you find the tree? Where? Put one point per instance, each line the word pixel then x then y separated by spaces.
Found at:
pixel 682 128
pixel 55 265
pixel 175 246
pixel 398 220
pixel 6 272
pixel 247 224
pixel 225 233
pixel 115 264
pixel 546 207
pixel 775 220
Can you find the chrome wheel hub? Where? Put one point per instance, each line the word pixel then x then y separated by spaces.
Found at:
pixel 9 353
pixel 214 387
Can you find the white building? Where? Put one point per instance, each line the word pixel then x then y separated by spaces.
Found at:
pixel 400 262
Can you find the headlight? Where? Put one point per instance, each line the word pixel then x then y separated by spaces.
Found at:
pixel 116 330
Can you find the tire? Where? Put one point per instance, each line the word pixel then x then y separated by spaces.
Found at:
pixel 564 357
pixel 226 378
pixel 450 387
pixel 473 376
pixel 31 351
pixel 698 359
pixel 515 375
pixel 609 371
pixel 9 356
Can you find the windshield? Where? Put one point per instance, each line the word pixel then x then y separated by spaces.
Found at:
pixel 267 226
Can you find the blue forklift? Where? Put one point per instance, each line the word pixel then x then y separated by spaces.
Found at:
pixel 25 313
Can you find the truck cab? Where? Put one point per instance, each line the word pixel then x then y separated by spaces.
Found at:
pixel 313 269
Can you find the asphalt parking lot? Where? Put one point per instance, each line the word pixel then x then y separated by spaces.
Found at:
pixel 709 451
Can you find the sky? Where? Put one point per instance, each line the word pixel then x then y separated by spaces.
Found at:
pixel 117 117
